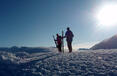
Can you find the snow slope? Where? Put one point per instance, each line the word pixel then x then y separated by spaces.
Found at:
pixel 110 43
pixel 52 63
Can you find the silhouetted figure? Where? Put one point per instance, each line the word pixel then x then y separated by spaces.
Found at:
pixel 59 42
pixel 69 37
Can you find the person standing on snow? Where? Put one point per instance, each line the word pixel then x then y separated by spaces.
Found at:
pixel 69 38
pixel 59 42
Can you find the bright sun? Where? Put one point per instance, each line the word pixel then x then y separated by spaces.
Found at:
pixel 107 16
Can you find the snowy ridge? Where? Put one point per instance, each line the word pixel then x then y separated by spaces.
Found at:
pixel 110 43
pixel 52 63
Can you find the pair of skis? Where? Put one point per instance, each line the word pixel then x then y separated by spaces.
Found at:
pixel 62 41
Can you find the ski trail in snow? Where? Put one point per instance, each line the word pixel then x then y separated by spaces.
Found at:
pixel 45 56
pixel 37 57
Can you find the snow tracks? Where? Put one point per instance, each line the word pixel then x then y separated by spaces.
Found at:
pixel 81 63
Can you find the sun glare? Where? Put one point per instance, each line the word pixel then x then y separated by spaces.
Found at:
pixel 107 16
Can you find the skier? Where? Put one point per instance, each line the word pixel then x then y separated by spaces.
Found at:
pixel 69 37
pixel 59 42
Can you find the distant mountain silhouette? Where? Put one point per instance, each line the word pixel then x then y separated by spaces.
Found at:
pixel 110 43
pixel 24 49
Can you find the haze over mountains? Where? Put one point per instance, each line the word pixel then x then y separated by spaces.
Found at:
pixel 110 43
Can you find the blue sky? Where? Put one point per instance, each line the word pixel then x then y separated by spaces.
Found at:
pixel 33 22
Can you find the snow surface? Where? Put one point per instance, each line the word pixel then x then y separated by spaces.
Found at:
pixel 52 63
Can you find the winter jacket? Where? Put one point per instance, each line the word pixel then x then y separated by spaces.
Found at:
pixel 69 36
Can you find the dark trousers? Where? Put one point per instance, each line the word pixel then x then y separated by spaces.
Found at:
pixel 59 47
pixel 69 44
